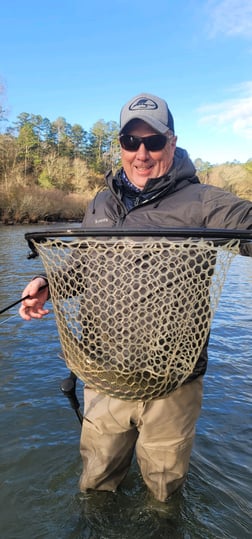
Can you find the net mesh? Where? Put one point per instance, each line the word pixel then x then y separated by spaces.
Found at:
pixel 133 316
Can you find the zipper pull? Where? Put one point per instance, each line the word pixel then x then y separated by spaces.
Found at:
pixel 137 201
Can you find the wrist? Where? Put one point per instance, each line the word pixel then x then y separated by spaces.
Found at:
pixel 44 277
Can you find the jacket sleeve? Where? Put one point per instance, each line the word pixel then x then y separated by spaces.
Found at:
pixel 87 217
pixel 222 209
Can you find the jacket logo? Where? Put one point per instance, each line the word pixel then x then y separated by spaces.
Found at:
pixel 143 104
pixel 104 220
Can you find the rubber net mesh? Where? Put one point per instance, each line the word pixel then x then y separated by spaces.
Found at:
pixel 133 316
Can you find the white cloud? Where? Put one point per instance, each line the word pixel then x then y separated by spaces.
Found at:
pixel 233 114
pixel 230 17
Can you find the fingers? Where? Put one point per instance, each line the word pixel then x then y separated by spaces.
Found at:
pixel 27 312
pixel 33 307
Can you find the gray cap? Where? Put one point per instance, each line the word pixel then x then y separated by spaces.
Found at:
pixel 151 109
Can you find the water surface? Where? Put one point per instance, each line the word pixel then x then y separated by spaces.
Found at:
pixel 40 463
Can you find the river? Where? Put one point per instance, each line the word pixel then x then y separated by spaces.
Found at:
pixel 40 462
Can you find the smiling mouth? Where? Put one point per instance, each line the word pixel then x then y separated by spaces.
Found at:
pixel 143 168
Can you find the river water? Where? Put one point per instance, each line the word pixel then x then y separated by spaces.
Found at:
pixel 40 463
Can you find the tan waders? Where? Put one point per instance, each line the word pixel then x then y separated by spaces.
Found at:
pixel 161 432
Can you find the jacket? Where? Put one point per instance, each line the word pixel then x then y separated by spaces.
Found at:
pixel 177 199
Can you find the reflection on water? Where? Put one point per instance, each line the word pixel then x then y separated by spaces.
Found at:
pixel 40 463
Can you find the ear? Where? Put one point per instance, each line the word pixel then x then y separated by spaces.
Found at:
pixel 173 142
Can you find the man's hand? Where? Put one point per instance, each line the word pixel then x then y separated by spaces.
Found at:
pixel 34 306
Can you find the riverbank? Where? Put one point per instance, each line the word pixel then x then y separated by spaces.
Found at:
pixel 10 222
pixel 24 205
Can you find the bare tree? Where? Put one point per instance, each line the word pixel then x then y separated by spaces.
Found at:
pixel 3 107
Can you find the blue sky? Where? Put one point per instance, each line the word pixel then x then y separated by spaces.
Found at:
pixel 84 60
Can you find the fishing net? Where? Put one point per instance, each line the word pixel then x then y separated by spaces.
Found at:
pixel 133 315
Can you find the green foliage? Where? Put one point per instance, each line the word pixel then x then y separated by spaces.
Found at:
pixel 248 165
pixel 44 180
pixel 103 140
pixel 37 137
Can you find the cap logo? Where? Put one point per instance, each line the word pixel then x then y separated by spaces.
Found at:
pixel 143 104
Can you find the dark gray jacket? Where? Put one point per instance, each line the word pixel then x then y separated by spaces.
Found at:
pixel 177 199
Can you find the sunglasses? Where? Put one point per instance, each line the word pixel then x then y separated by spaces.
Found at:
pixel 153 143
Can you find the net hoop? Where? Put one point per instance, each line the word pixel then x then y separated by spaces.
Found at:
pixel 218 235
pixel 134 308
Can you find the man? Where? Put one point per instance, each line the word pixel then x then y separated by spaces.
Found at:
pixel 156 187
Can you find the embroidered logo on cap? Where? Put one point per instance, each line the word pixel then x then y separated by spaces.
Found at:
pixel 143 104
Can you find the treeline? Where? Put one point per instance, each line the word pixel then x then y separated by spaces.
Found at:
pixel 50 170
pixel 234 177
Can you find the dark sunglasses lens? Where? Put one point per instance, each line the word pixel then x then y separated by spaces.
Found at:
pixel 130 143
pixel 153 143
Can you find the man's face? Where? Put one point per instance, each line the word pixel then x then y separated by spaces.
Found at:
pixel 141 165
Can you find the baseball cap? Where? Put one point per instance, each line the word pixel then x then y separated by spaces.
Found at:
pixel 151 109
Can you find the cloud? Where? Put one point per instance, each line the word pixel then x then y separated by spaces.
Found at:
pixel 233 114
pixel 230 17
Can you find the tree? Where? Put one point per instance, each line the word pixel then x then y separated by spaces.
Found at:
pixel 248 165
pixel 102 145
pixel 62 131
pixel 113 157
pixel 8 157
pixel 47 136
pixel 22 119
pixel 203 167
pixel 79 139
pixel 28 143
pixel 3 111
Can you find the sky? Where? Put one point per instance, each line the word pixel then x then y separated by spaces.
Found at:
pixel 84 60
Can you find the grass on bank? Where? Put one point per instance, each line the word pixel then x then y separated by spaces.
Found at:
pixel 33 205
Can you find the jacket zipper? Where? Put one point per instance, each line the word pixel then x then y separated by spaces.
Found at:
pixel 139 203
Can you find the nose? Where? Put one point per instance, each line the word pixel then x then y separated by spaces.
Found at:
pixel 142 153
